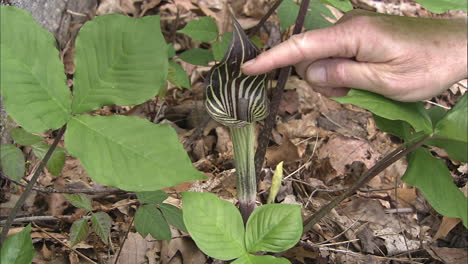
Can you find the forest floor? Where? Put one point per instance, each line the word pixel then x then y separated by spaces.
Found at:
pixel 324 147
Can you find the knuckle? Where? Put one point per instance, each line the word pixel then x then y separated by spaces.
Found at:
pixel 297 43
pixel 336 73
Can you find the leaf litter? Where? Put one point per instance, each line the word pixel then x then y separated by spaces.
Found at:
pixel 324 147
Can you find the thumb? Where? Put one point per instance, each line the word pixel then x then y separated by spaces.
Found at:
pixel 347 73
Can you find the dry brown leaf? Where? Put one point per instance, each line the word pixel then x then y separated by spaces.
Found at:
pixel 224 143
pixel 135 248
pixel 342 151
pixel 109 7
pixel 301 254
pixel 46 252
pixel 129 7
pixel 448 255
pixel 448 223
pixel 302 128
pixel 286 152
pixel 73 258
pixel 289 103
pixel 406 197
pixel 189 251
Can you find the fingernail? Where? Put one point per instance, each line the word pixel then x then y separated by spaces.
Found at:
pixel 250 62
pixel 316 74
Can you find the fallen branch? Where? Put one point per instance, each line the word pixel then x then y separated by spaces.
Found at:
pixel 29 186
pixel 264 137
pixel 69 191
pixel 381 165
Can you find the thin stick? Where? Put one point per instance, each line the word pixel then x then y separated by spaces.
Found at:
pixel 69 191
pixel 123 242
pixel 277 95
pixel 270 12
pixel 30 185
pixel 365 177
pixel 43 218
pixel 58 240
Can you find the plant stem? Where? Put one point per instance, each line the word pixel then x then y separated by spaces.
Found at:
pixel 243 140
pixel 363 179
pixel 260 24
pixel 31 183
pixel 277 95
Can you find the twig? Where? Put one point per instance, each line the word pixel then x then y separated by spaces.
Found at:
pixel 363 179
pixel 58 240
pixel 277 95
pixel 43 218
pixel 260 24
pixel 69 191
pixel 399 211
pixel 399 218
pixel 30 185
pixel 123 242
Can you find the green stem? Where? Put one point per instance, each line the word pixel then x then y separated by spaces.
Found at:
pixel 243 140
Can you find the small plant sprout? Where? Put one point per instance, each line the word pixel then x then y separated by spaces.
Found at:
pixel 238 101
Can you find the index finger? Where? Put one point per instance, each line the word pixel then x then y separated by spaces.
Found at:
pixel 312 45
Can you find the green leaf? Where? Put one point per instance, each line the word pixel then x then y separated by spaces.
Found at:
pixel 455 123
pixel 287 13
pixel 203 29
pixel 431 176
pixel 149 220
pixel 170 50
pixel 457 150
pixel 197 56
pixel 273 228
pixel 12 161
pixel 129 153
pixel 441 6
pixel 436 113
pixel 102 224
pixel 173 216
pixel 220 47
pixel 153 197
pixel 57 160
pixel 80 200
pixel 397 128
pixel 266 259
pixel 288 10
pixel 32 80
pixel 118 60
pixel 275 183
pixel 215 225
pixel 315 16
pixel 18 248
pixel 177 75
pixel 413 113
pixel 22 137
pixel 79 231
pixel 343 5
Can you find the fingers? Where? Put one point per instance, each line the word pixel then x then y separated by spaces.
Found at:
pixel 312 45
pixel 332 76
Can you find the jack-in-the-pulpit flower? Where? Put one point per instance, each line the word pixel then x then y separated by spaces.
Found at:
pixel 237 100
pixel 231 97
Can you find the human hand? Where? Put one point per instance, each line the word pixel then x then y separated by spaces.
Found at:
pixel 402 58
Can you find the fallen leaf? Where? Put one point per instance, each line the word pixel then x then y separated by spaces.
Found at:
pixel 286 152
pixel 134 249
pixel 448 223
pixel 342 151
pixel 448 255
pixel 301 254
pixel 109 7
pixel 187 248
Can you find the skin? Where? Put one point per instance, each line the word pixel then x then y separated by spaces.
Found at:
pixel 403 58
